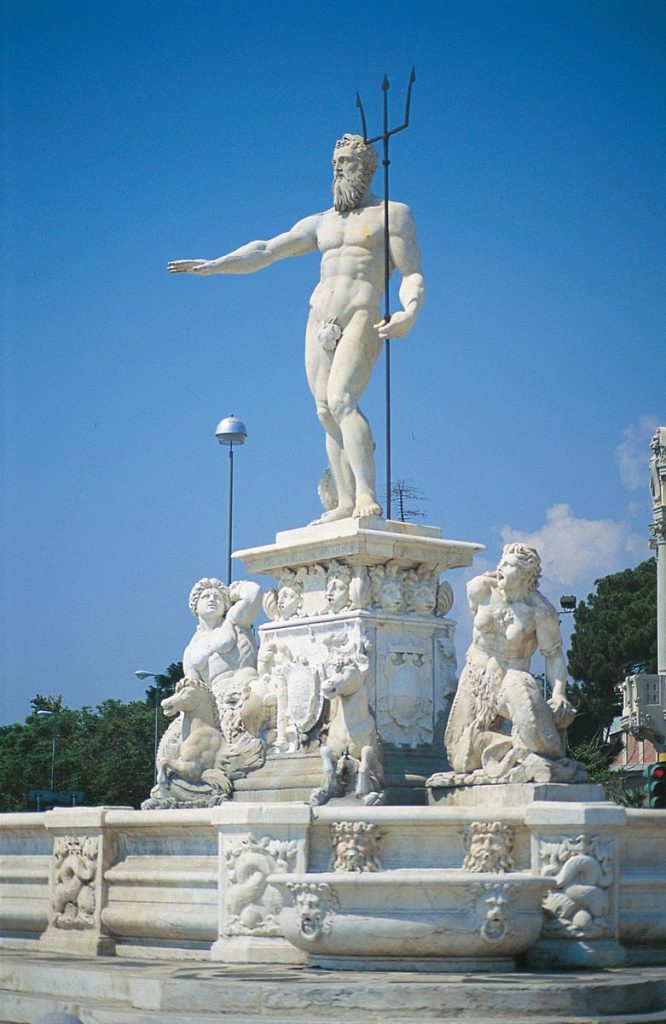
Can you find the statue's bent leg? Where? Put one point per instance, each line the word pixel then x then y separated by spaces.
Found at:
pixel 463 739
pixel 352 364
pixel 533 725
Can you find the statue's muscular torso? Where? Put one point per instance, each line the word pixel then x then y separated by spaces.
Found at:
pixel 352 265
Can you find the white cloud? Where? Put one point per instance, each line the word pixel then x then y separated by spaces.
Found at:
pixel 633 452
pixel 578 551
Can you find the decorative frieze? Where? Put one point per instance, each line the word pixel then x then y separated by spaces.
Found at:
pixel 335 586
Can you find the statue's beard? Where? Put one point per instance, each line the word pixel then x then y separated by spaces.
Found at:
pixel 347 193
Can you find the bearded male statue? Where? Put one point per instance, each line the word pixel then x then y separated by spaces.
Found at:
pixel 344 332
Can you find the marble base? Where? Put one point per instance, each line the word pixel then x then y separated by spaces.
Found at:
pixel 167 891
pixel 515 794
pixel 113 991
pixel 370 541
pixel 368 586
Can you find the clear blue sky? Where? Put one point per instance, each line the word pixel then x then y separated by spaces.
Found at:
pixel 523 400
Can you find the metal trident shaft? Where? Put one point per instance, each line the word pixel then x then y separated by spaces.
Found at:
pixel 385 137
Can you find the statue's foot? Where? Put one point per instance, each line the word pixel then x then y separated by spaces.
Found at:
pixel 374 799
pixel 340 512
pixel 366 505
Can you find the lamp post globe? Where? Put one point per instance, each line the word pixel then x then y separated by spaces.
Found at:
pixel 230 431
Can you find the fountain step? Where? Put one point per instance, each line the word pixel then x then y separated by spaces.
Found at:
pixel 117 991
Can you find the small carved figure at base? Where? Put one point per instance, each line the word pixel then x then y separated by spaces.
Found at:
pixel 351 756
pixel 75 868
pixel 511 620
pixel 582 870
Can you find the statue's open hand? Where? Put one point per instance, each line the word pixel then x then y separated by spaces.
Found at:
pixel 187 266
pixel 397 327
pixel 563 712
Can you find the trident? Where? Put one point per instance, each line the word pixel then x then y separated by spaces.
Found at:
pixel 385 136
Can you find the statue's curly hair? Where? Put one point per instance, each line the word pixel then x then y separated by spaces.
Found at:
pixel 367 152
pixel 208 583
pixel 527 558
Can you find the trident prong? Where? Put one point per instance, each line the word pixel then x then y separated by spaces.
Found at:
pixel 384 137
pixel 362 112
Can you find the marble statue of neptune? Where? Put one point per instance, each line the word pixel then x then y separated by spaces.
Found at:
pixel 345 331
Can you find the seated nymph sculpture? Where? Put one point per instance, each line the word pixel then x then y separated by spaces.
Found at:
pixel 214 706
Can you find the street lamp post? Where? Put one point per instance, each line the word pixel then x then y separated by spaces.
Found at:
pixel 230 431
pixel 53 716
pixel 141 673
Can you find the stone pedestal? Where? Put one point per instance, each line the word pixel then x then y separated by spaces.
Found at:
pixel 255 842
pixel 576 845
pixel 82 851
pixel 516 794
pixel 374 585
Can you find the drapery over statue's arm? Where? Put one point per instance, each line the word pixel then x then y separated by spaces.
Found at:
pixel 300 239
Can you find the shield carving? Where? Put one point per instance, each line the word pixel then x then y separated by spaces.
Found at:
pixel 405 686
pixel 304 697
pixel 405 705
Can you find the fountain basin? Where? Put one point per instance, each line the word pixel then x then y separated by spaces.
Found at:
pixel 438 919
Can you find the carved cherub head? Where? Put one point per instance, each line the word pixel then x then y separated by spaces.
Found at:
pixel 421 591
pixel 289 595
pixel 337 586
pixel 387 586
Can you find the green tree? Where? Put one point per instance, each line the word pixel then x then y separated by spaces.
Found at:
pixel 107 752
pixel 615 634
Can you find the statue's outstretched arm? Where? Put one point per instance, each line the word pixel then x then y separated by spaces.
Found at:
pixel 407 260
pixel 300 239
